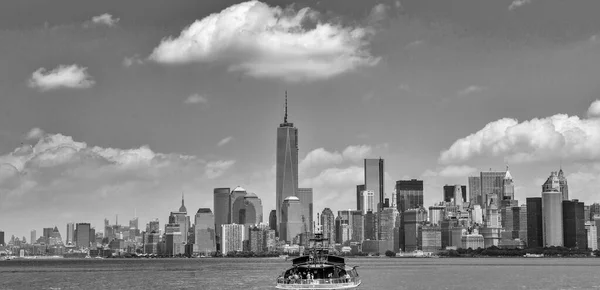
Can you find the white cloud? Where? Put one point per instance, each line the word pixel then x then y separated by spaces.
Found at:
pixel 357 153
pixel 453 171
pixel 129 61
pixel 518 3
pixel 471 90
pixel 196 99
pixel 270 42
pixel 414 44
pixel 594 110
pixel 594 38
pixel 551 138
pixel 63 76
pixel 35 133
pixel 105 19
pixel 378 13
pixel 216 169
pixel 335 187
pixel 225 141
pixel 319 158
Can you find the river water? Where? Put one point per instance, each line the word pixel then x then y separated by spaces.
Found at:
pixel 246 274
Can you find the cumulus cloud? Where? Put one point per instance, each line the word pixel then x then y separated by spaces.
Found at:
pixel 378 13
pixel 225 141
pixel 270 42
pixel 335 186
pixel 414 44
pixel 35 133
pixel 63 76
pixel 133 60
pixel 594 110
pixel 196 99
pixel 559 136
pixel 319 158
pixel 518 3
pixel 471 90
pixel 216 169
pixel 105 19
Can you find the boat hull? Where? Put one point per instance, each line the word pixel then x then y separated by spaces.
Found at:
pixel 319 284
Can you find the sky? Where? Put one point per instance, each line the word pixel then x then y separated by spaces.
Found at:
pixel 119 107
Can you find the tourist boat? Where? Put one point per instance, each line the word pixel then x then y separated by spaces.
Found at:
pixel 528 255
pixel 319 270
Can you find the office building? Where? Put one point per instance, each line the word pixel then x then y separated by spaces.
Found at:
pixel 436 214
pixel 273 220
pixel 221 206
pixel 592 235
pixel 450 192
pixel 47 233
pixel 174 241
pixel 291 222
pixel 180 217
pixel 33 237
pixel 286 167
pixel 389 219
pixel 552 212
pixel 508 192
pixel 204 232
pixel 359 200
pixel 574 234
pixel 2 242
pixel 328 225
pixel 563 185
pixel 233 238
pixel 374 180
pixel 368 201
pixel 413 220
pixel 306 199
pixel 492 187
pixel 475 190
pixel 431 238
pixel 535 221
pixel 246 208
pixel 83 235
pixel 371 225
pixel 70 234
pixel 594 210
pixel 410 194
pixel 474 240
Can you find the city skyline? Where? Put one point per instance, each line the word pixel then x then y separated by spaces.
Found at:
pixel 137 127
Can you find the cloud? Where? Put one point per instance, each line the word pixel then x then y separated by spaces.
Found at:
pixel 135 59
pixel 335 186
pixel 319 158
pixel 461 171
pixel 63 76
pixel 35 133
pixel 414 44
pixel 556 137
pixel 357 153
pixel 518 3
pixel 270 42
pixel 594 38
pixel 196 99
pixel 594 110
pixel 216 169
pixel 471 90
pixel 105 19
pixel 225 141
pixel 378 13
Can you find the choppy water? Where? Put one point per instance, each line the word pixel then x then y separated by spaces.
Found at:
pixel 246 274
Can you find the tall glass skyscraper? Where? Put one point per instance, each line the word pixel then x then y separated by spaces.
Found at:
pixel 328 225
pixel 306 199
pixel 286 164
pixel 552 212
pixel 492 186
pixel 70 234
pixel 475 190
pixel 410 194
pixel 374 180
pixel 204 230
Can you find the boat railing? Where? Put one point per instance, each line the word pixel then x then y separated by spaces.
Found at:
pixel 337 281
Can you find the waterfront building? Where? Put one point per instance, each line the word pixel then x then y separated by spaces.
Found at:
pixel 451 194
pixel 389 219
pixel 82 235
pixel 492 186
pixel 328 225
pixel 174 241
pixel 492 229
pixel 151 240
pixel 221 206
pixel 70 234
pixel 413 220
pixel 436 214
pixel 574 234
pixel 359 199
pixel 596 221
pixel 374 180
pixel 522 231
pixel 474 240
pixel 371 224
pixel 552 212
pixel 286 165
pixel 47 233
pixel 291 223
pixel 563 185
pixel 535 221
pixel 306 199
pixel 33 237
pixel 431 237
pixel 410 194
pixel 204 231
pixel 592 235
pixel 257 240
pixel 357 223
pixel 2 242
pixel 475 190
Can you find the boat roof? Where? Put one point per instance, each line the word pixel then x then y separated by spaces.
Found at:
pixel 329 259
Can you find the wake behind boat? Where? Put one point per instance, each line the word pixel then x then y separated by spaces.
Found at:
pixel 319 270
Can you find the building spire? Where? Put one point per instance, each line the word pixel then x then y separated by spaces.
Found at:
pixel 285 115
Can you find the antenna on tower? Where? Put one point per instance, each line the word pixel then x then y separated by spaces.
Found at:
pixel 285 110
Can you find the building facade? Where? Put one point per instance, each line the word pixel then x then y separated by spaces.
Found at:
pixel 535 221
pixel 286 164
pixel 410 194
pixel 291 223
pixel 552 214
pixel 204 232
pixel 374 180
pixel 306 199
pixel 233 238
pixel 574 233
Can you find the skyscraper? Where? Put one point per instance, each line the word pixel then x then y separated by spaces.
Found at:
pixel 273 220
pixel 291 222
pixel 180 217
pixel 475 189
pixel 574 234
pixel 233 238
pixel 552 212
pixel 410 194
pixel 359 200
pixel 449 193
pixel 2 242
pixel 71 232
pixel 374 180
pixel 286 164
pixel 368 201
pixel 492 187
pixel 221 206
pixel 564 186
pixel 33 237
pixel 306 199
pixel 508 191
pixel 328 225
pixel 47 234
pixel 204 231
pixel 83 235
pixel 246 208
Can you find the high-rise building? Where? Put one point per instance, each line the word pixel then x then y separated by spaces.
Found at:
pixel 286 166
pixel 2 242
pixel 436 214
pixel 33 237
pixel 359 200
pixel 592 235
pixel 564 186
pixel 174 242
pixel 371 225
pixel 233 238
pixel 368 201
pixel 475 190
pixel 328 225
pixel 508 192
pixel 180 217
pixel 413 220
pixel 410 194
pixel 450 193
pixel 221 206
pixel 574 234
pixel 246 208
pixel 70 234
pixel 273 220
pixel 552 212
pixel 291 222
pixel 306 199
pixel 374 180
pixel 153 226
pixel 535 221
pixel 492 187
pixel 594 210
pixel 357 223
pixel 47 234
pixel 83 235
pixel 204 232
pixel 389 220
pixel 523 223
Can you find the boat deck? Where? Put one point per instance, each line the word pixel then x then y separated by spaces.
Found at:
pixel 339 283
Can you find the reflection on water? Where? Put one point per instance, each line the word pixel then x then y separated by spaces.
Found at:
pixel 246 274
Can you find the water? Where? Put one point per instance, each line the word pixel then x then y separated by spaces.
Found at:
pixel 246 274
